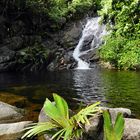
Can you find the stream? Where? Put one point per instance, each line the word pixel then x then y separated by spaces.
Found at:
pixel 112 88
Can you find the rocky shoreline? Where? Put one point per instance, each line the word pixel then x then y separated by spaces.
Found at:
pixel 12 124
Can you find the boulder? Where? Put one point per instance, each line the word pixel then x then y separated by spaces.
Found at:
pixel 114 111
pixel 15 43
pixel 12 131
pixel 71 33
pixel 6 54
pixel 94 131
pixel 132 129
pixel 10 113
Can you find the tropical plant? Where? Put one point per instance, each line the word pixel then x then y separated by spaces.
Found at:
pixel 113 132
pixel 60 124
pixel 122 46
pixel 56 9
pixel 33 57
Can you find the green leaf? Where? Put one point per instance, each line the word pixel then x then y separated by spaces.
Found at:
pixel 61 105
pixel 59 123
pixel 119 126
pixel 108 128
pixel 39 128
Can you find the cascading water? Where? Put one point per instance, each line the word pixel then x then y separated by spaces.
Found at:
pixel 92 33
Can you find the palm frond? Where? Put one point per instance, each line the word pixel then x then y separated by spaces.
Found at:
pixel 59 122
pixel 39 128
pixel 81 116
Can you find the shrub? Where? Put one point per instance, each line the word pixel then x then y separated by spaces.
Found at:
pixel 56 9
pixel 60 124
pixel 33 57
pixel 122 45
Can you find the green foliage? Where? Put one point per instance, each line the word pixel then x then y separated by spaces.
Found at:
pixel 56 9
pixel 33 57
pixel 123 43
pixel 121 52
pixel 60 124
pixel 113 132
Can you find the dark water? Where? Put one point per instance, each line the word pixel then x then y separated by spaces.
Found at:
pixel 114 89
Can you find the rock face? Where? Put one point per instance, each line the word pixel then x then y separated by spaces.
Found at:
pixel 10 113
pixel 12 131
pixel 26 31
pixel 132 129
pixel 114 111
pixel 72 33
pixel 6 57
pixel 11 127
pixel 94 131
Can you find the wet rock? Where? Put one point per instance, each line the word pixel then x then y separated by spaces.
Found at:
pixel 3 30
pixel 107 65
pixel 132 129
pixel 51 66
pixel 87 43
pixel 6 54
pixel 6 57
pixel 42 116
pixel 72 33
pixel 15 43
pixel 114 111
pixel 94 131
pixel 10 113
pixel 12 131
pixel 18 27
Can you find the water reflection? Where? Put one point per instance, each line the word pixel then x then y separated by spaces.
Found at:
pixel 88 85
pixel 115 89
pixel 122 89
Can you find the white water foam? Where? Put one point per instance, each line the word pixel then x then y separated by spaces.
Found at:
pixel 92 29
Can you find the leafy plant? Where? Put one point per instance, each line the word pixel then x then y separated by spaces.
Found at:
pixel 60 124
pixel 122 45
pixel 33 57
pixel 113 132
pixel 56 9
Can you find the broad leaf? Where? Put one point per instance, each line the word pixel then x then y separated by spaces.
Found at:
pixel 61 105
pixel 52 111
pixel 119 126
pixel 108 128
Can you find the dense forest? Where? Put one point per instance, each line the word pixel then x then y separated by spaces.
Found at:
pixel 25 24
pixel 122 47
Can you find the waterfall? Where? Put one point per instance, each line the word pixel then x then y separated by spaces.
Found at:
pixel 91 37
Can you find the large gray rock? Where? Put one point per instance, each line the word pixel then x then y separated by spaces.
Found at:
pixel 132 129
pixel 12 131
pixel 6 54
pixel 10 113
pixel 94 131
pixel 43 118
pixel 114 111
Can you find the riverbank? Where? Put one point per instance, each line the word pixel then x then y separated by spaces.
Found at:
pixel 12 125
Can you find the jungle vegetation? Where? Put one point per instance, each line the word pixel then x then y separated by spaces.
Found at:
pixel 122 47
